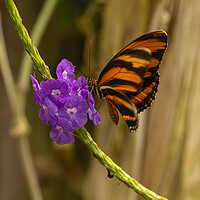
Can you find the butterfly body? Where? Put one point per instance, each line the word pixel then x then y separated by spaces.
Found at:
pixel 129 81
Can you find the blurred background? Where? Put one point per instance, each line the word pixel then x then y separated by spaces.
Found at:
pixel 164 153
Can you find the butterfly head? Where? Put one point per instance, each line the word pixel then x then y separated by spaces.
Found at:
pixel 92 83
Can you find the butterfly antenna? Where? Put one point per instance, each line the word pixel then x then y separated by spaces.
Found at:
pixel 90 55
pixel 81 72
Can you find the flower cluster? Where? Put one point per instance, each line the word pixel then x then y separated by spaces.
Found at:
pixel 65 103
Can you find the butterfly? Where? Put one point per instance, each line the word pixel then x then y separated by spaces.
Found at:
pixel 130 80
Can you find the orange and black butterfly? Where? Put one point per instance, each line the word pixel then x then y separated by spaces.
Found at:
pixel 130 80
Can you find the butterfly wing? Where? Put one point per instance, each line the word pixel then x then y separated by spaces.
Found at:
pixel 129 81
pixel 144 99
pixel 156 42
pixel 113 112
pixel 145 93
pixel 127 71
pixel 118 100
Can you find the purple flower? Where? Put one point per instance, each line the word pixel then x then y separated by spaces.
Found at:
pixel 48 112
pixel 75 110
pixel 35 83
pixel 65 103
pixel 65 70
pixel 80 88
pixel 36 87
pixel 93 114
pixel 56 90
pixel 61 132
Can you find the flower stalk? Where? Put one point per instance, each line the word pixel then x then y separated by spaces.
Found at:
pixel 26 40
pixel 117 171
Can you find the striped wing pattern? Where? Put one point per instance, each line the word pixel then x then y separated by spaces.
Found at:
pixel 120 101
pixel 144 99
pixel 112 110
pixel 127 71
pixel 129 81
pixel 156 42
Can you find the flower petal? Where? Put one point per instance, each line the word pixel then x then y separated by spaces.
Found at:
pixel 65 70
pixel 61 132
pixel 35 83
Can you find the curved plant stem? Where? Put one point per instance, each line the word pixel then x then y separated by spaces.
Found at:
pixel 85 137
pixel 26 40
pixel 36 35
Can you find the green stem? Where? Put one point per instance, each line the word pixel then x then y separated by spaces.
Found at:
pixel 26 40
pixel 29 169
pixel 6 73
pixel 85 137
pixel 36 35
